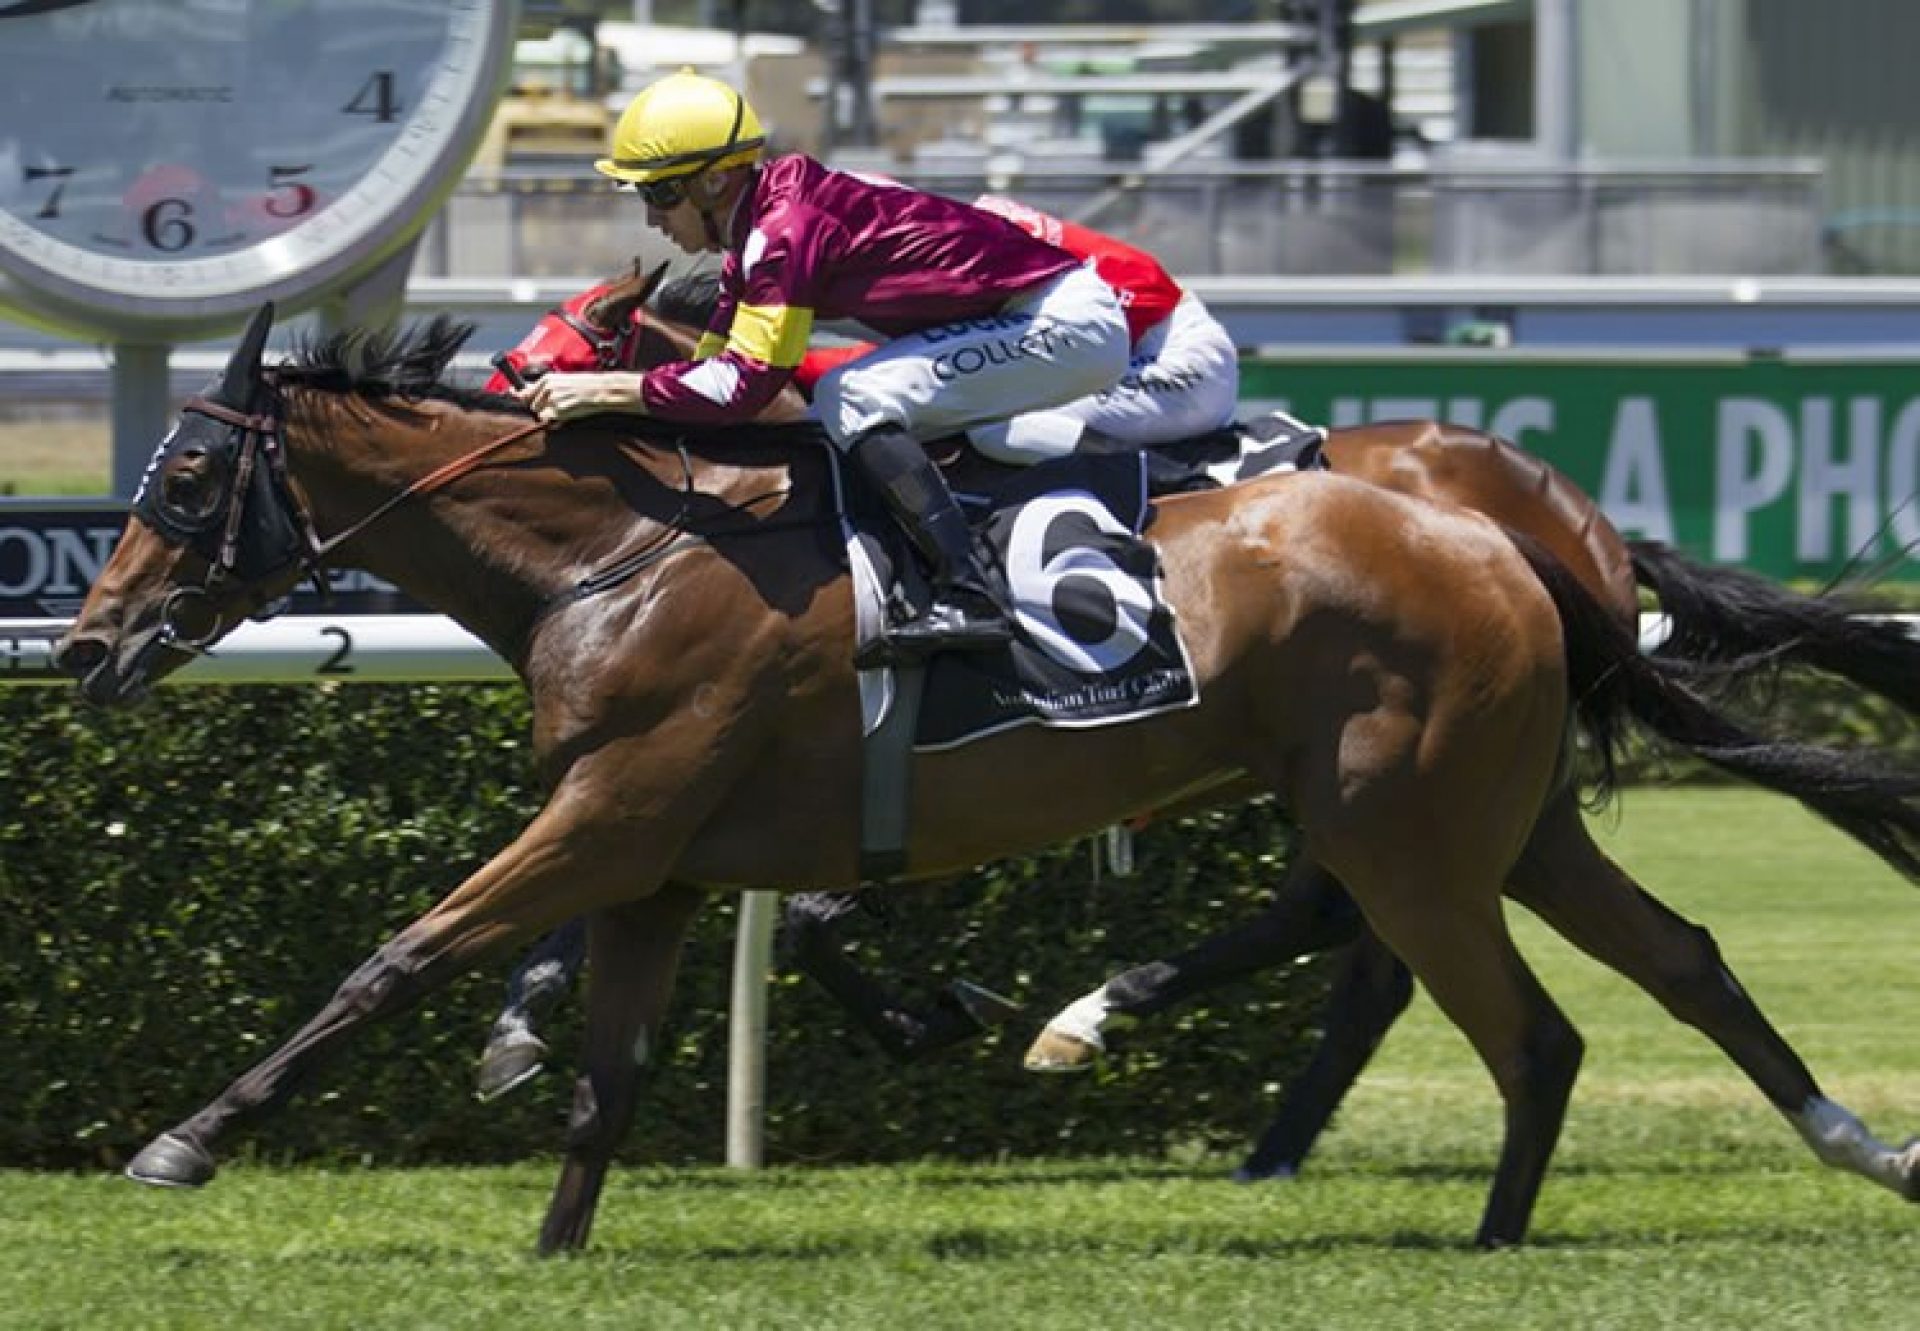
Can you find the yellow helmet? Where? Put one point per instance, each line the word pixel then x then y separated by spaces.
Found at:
pixel 684 124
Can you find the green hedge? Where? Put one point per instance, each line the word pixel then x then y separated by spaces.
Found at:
pixel 182 885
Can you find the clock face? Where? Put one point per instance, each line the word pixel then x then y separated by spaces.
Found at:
pixel 170 158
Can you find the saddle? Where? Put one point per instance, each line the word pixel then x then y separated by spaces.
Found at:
pixel 1275 442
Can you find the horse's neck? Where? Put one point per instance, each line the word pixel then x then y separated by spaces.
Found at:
pixel 503 543
pixel 487 550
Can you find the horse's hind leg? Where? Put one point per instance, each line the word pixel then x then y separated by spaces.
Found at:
pixel 1371 991
pixel 1465 957
pixel 633 954
pixel 1567 880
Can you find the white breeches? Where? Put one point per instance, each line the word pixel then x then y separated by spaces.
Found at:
pixel 1065 340
pixel 1184 380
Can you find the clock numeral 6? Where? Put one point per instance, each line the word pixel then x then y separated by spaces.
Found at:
pixel 167 225
pixel 376 98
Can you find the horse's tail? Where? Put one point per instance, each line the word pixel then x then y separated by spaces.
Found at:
pixel 1728 614
pixel 1613 683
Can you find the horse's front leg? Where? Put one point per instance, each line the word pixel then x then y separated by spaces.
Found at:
pixel 569 859
pixel 634 954
pixel 1310 913
pixel 961 1011
pixel 514 1052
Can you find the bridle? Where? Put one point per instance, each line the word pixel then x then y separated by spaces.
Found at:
pixel 612 348
pixel 221 537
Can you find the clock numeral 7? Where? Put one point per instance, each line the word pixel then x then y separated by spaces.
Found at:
pixel 375 98
pixel 58 174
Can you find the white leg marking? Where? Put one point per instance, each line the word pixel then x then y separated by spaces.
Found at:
pixel 1083 1019
pixel 1842 1140
pixel 640 1048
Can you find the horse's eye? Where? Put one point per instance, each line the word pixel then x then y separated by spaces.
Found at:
pixel 187 490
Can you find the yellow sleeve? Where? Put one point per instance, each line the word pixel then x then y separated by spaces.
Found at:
pixel 773 335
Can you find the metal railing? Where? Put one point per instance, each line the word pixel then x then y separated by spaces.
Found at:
pixel 1220 218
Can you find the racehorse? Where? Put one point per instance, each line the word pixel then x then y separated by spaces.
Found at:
pixel 1713 614
pixel 1400 676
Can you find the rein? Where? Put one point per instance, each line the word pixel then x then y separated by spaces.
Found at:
pixel 261 432
pixel 433 480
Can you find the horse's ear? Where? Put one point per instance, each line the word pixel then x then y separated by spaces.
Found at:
pixel 652 284
pixel 243 368
pixel 621 296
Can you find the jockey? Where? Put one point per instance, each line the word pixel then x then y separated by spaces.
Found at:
pixel 1183 380
pixel 983 319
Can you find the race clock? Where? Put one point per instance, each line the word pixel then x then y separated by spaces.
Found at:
pixel 166 165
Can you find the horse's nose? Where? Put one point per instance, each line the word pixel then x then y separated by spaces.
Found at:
pixel 78 656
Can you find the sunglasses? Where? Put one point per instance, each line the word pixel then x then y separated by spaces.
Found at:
pixel 663 195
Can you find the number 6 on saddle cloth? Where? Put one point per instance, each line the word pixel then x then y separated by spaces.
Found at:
pixel 1095 641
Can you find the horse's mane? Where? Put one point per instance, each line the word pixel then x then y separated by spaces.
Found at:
pixel 406 361
pixel 410 361
pixel 688 299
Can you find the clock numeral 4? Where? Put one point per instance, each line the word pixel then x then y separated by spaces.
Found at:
pixel 376 98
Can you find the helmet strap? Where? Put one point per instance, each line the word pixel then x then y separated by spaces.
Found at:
pixel 709 219
pixel 715 236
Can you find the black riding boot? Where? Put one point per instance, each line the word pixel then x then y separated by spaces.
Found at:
pixel 968 612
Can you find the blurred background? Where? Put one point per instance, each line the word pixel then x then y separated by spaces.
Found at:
pixel 1334 177
pixel 1267 137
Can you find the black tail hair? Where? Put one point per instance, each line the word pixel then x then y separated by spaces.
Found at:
pixel 1730 615
pixel 1874 801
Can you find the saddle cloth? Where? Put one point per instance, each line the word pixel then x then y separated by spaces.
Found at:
pixel 1097 642
pixel 1095 638
pixel 1272 443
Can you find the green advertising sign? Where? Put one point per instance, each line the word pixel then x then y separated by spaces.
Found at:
pixel 1793 468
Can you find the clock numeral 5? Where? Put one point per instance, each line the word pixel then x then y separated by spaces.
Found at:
pixel 57 174
pixel 375 98
pixel 290 197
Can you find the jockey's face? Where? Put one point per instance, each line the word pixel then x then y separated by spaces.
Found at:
pixel 711 195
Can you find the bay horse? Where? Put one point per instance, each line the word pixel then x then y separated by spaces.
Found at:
pixel 1713 614
pixel 1401 676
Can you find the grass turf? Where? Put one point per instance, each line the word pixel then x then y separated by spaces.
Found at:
pixel 1678 1198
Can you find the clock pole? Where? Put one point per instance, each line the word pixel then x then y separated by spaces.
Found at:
pixel 142 406
pixel 373 301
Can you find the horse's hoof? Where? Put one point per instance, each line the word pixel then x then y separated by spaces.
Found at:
pixel 1910 1170
pixel 983 1005
pixel 508 1062
pixel 171 1161
pixel 1054 1051
pixel 1250 1173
